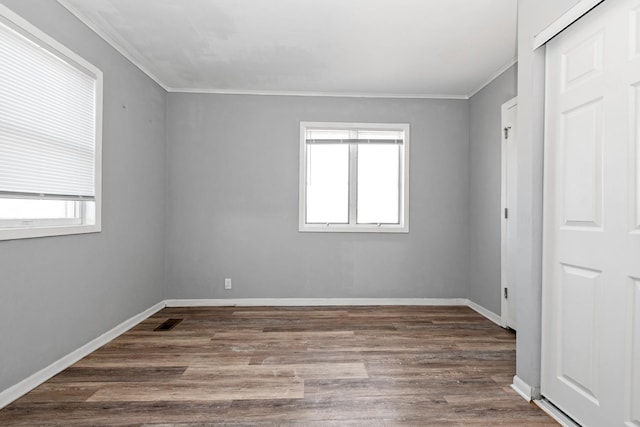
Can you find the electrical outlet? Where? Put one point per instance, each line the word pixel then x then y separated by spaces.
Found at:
pixel 227 283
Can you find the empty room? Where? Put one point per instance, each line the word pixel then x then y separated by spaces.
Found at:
pixel 320 213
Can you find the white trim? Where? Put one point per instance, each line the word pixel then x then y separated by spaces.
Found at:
pixel 555 413
pixel 317 93
pixel 28 233
pixel 486 313
pixel 12 393
pixel 493 77
pixel 311 302
pixel 23 387
pixel 568 18
pixel 113 43
pixel 347 228
pixel 522 388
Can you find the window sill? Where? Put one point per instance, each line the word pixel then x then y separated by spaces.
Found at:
pixel 339 228
pixel 33 232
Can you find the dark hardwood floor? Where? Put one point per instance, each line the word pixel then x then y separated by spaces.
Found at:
pixel 293 366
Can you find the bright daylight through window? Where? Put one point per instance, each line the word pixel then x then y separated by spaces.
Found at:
pixel 50 134
pixel 354 177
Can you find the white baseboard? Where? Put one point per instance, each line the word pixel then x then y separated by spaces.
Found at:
pixel 14 392
pixel 486 313
pixel 287 302
pixel 522 388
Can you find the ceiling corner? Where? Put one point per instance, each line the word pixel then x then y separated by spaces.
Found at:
pixel 112 42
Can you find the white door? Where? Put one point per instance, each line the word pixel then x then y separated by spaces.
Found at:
pixel 591 242
pixel 509 214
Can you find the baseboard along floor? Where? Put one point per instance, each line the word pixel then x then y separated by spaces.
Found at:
pixel 287 365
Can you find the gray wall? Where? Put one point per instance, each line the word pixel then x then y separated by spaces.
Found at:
pixel 485 164
pixel 218 176
pixel 233 202
pixel 533 17
pixel 58 293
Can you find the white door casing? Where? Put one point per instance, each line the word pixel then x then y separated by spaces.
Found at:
pixel 508 213
pixel 591 237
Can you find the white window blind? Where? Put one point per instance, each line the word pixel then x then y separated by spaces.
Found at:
pixel 336 136
pixel 47 122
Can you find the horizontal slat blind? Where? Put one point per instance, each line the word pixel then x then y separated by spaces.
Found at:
pixel 338 136
pixel 47 122
pixel 354 141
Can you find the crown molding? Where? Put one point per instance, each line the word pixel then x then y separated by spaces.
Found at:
pixel 494 76
pixel 133 56
pixel 116 44
pixel 316 93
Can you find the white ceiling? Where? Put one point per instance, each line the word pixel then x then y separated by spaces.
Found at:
pixel 408 48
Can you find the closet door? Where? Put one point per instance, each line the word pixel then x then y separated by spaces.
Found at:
pixel 591 249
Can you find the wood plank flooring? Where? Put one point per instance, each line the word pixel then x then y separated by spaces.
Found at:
pixel 291 366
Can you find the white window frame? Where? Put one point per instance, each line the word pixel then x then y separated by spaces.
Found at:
pixel 353 226
pixel 24 228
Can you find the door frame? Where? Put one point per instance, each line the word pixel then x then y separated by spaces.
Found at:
pixel 506 303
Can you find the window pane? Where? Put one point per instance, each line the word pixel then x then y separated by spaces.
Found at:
pixel 327 183
pixel 36 209
pixel 378 183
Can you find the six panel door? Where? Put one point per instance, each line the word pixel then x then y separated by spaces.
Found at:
pixel 591 242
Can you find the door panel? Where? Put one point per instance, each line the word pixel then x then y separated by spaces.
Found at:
pixel 579 340
pixel 582 165
pixel 582 62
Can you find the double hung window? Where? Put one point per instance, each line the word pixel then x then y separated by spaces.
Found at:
pixel 50 134
pixel 354 177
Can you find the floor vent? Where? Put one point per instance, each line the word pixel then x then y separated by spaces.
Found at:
pixel 168 324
